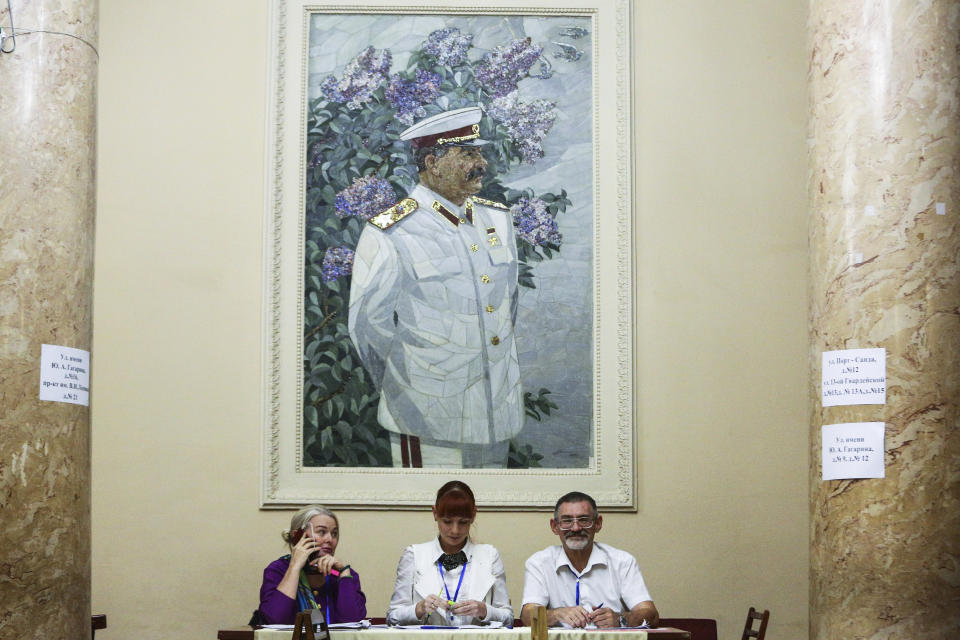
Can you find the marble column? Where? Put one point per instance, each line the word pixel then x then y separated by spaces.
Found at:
pixel 47 135
pixel 884 190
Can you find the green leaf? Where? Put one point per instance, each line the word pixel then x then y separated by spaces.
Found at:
pixel 326 438
pixel 366 435
pixel 345 430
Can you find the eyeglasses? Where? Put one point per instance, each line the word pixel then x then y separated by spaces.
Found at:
pixel 566 522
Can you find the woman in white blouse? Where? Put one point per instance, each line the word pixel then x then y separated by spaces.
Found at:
pixel 450 580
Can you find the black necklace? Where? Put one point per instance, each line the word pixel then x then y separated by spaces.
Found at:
pixel 451 561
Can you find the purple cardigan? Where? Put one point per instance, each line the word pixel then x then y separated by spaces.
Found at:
pixel 346 600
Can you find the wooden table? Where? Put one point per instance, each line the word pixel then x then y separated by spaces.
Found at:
pixel 522 633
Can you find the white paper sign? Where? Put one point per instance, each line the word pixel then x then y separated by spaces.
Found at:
pixel 853 376
pixel 64 374
pixel 853 450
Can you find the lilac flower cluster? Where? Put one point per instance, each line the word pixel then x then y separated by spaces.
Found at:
pixel 337 261
pixel 361 77
pixel 365 198
pixel 448 46
pixel 501 69
pixel 534 223
pixel 527 122
pixel 409 96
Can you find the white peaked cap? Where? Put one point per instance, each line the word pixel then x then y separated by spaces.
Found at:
pixel 460 126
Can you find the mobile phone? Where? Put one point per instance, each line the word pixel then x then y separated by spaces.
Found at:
pixel 313 556
pixel 295 536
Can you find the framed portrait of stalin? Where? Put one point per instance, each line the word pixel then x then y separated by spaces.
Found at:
pixel 449 282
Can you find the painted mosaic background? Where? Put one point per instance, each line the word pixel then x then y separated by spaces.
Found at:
pixel 532 74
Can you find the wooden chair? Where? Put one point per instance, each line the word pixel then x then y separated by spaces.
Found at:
pixel 749 631
pixel 97 621
pixel 305 623
pixel 538 623
pixel 699 628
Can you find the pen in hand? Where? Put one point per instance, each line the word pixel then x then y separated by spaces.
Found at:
pixel 591 620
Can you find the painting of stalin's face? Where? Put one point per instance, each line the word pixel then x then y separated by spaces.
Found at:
pixel 458 173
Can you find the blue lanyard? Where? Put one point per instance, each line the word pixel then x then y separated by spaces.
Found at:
pixel 326 599
pixel 444 582
pixel 578 583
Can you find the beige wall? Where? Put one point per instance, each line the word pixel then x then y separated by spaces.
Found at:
pixel 178 539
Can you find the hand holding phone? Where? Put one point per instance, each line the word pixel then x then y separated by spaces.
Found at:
pixel 304 549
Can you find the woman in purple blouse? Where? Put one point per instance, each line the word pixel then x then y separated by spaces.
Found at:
pixel 311 576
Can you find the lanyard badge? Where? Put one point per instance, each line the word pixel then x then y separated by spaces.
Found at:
pixel 456 594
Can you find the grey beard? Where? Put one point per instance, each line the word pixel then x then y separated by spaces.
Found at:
pixel 577 543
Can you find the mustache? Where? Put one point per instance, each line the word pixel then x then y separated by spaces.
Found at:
pixel 476 172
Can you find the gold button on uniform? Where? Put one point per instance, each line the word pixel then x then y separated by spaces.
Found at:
pixel 495 340
pixel 463 221
pixel 489 308
pixel 484 278
pixel 474 248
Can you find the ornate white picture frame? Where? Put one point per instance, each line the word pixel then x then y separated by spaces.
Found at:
pixel 582 439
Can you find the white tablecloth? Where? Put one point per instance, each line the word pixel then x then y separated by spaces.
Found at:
pixel 476 634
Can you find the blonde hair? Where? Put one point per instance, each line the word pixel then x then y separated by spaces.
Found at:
pixel 305 515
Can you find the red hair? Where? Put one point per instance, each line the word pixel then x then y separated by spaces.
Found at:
pixel 455 500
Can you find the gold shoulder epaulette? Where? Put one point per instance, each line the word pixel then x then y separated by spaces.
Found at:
pixel 490 203
pixel 394 214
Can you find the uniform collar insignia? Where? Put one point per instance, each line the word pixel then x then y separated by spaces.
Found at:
pixel 446 213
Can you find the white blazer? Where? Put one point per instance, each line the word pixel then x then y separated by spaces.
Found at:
pixel 418 576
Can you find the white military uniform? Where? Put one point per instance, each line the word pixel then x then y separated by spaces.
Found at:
pixel 432 310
